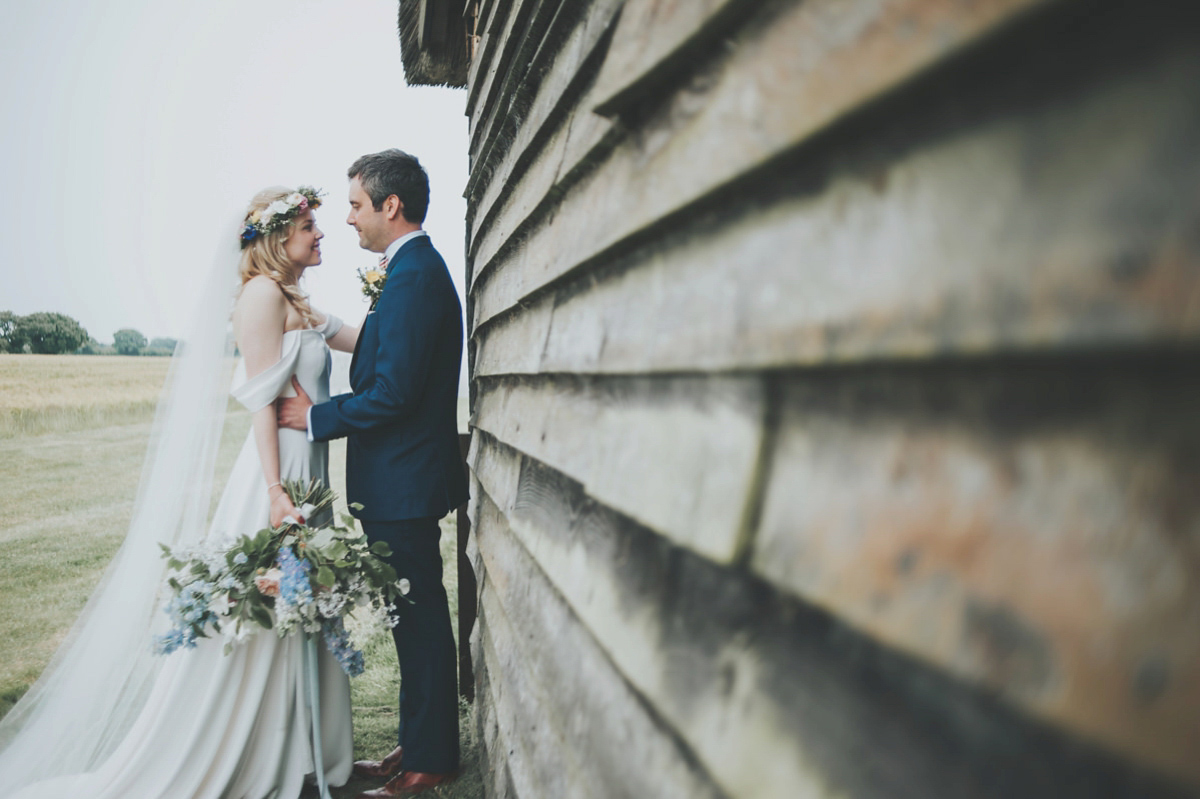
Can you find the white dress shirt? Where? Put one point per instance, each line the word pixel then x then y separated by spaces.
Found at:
pixel 390 252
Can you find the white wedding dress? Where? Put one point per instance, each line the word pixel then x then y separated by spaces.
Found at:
pixel 237 726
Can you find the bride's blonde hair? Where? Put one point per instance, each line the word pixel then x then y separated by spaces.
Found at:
pixel 265 255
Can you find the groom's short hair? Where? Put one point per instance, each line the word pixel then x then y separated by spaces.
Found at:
pixel 394 172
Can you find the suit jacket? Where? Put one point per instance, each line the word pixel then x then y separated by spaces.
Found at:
pixel 402 457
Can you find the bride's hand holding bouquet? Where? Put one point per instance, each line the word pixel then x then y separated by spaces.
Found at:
pixel 288 578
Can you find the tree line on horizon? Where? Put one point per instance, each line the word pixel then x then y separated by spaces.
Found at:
pixel 48 333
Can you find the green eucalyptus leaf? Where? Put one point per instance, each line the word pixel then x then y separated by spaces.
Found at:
pixel 262 616
pixel 321 539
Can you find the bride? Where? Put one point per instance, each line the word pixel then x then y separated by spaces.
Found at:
pixel 108 719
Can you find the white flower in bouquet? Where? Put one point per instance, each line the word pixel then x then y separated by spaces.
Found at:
pixel 237 633
pixel 214 561
pixel 221 604
pixel 366 620
pixel 331 604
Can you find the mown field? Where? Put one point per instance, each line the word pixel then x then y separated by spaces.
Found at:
pixel 73 437
pixel 56 393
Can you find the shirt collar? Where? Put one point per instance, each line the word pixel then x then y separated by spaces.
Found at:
pixel 395 246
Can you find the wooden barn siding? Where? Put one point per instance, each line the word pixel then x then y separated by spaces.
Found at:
pixel 773 360
pixel 769 696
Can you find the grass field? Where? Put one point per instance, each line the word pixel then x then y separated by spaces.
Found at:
pixel 57 393
pixel 70 467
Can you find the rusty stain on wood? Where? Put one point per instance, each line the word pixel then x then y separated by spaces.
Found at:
pixel 1028 526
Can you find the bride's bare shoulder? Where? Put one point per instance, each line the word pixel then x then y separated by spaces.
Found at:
pixel 260 299
pixel 261 288
pixel 260 293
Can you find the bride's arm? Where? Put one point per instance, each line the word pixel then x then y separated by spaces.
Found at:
pixel 258 323
pixel 344 339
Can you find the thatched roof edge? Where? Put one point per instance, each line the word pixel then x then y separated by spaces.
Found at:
pixel 433 42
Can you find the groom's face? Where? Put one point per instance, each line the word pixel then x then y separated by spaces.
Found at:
pixel 372 225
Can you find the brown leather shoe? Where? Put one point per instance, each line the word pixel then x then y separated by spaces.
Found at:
pixel 380 768
pixel 407 783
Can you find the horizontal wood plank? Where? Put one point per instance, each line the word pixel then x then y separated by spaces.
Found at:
pixel 526 713
pixel 493 73
pixel 679 455
pixel 655 36
pixel 1030 526
pixel 591 705
pixel 1007 235
pixel 485 51
pixel 567 156
pixel 533 156
pixel 733 750
pixel 492 129
pixel 790 91
pixel 774 699
pixel 495 751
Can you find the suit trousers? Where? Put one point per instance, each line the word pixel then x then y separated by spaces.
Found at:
pixel 424 645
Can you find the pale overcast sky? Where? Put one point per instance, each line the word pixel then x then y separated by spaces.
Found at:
pixel 133 128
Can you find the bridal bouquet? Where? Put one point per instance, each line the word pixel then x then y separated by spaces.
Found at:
pixel 325 580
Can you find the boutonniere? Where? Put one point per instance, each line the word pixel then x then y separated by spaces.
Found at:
pixel 372 283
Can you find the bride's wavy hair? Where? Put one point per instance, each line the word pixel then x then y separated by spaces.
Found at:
pixel 265 255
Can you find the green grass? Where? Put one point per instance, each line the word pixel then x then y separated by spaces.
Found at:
pixel 69 487
pixel 60 393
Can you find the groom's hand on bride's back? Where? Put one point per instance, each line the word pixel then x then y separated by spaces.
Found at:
pixel 293 411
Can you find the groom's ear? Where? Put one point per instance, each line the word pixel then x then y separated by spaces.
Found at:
pixel 392 207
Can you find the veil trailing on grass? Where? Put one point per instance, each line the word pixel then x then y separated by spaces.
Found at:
pixel 86 699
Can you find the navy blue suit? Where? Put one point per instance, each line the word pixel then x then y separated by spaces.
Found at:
pixel 402 459
pixel 403 465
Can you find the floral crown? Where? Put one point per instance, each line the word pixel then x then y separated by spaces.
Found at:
pixel 275 216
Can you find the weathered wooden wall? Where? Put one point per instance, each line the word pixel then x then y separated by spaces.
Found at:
pixel 835 397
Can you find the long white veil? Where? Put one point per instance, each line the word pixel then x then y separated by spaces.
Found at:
pixel 96 684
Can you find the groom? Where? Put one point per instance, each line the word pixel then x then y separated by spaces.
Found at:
pixel 402 458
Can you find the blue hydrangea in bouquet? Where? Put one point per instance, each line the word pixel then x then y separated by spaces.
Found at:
pixel 323 579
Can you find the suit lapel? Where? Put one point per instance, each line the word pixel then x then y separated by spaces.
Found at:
pixel 405 249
